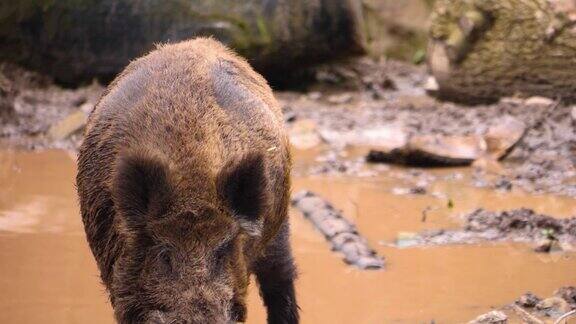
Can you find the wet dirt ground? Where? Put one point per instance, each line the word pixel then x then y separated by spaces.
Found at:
pixel 48 274
pixel 383 97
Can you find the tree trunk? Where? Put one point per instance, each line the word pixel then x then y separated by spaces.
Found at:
pixel 485 49
pixel 77 40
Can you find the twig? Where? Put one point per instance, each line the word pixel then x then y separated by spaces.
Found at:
pixel 425 213
pixel 525 315
pixel 565 316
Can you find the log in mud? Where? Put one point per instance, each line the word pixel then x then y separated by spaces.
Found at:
pixel 75 41
pixel 481 50
pixel 340 232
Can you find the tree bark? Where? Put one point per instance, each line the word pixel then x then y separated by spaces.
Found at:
pixel 485 49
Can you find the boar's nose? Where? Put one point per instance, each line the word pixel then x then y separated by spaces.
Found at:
pixel 156 317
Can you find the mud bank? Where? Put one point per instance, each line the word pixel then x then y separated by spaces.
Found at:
pixel 32 105
pixel 380 112
pixel 350 108
pixel 545 233
pixel 530 308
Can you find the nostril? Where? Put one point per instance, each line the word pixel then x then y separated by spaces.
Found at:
pixel 156 317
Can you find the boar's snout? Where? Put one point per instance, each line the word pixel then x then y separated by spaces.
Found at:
pixel 156 317
pixel 159 317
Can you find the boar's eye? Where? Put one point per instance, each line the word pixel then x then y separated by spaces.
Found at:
pixel 165 260
pixel 221 253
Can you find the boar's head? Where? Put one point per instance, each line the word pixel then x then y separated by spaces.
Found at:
pixel 185 256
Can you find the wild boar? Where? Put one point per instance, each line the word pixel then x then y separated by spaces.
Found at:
pixel 183 182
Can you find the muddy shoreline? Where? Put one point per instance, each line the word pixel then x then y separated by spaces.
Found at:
pixel 543 232
pixel 346 98
pixel 542 162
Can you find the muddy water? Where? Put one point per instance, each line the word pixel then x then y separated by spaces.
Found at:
pixel 47 274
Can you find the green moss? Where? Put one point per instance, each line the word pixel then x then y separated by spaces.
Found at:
pixel 264 34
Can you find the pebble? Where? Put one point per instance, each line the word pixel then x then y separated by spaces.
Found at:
pixel 528 300
pixel 553 306
pixel 538 101
pixel 340 98
pixel 493 317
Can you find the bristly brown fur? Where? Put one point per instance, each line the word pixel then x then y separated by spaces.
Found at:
pixel 142 187
pixel 243 185
pixel 183 181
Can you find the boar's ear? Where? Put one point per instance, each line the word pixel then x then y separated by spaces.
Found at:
pixel 141 187
pixel 244 187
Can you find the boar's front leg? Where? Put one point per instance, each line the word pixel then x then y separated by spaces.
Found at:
pixel 275 272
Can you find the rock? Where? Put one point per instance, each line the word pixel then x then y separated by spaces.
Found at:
pixel 431 84
pixel 455 150
pixel 407 239
pixel 87 108
pixel 493 317
pixel 488 164
pixel 503 136
pixel 69 125
pixel 538 101
pixel 547 246
pixel 386 137
pixel 451 150
pixel 567 293
pixel 315 95
pixel 503 184
pixel 553 306
pixel 415 100
pixel 433 150
pixel 340 98
pixel 304 135
pixel 573 113
pixel 512 101
pixel 528 300
pixel 418 190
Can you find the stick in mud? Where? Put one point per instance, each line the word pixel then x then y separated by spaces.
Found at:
pixel 340 232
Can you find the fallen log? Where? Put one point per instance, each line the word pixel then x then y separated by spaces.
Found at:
pixel 486 49
pixel 75 41
pixel 341 233
pixel 455 150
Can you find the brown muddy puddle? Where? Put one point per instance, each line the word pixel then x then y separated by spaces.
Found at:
pixel 47 274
